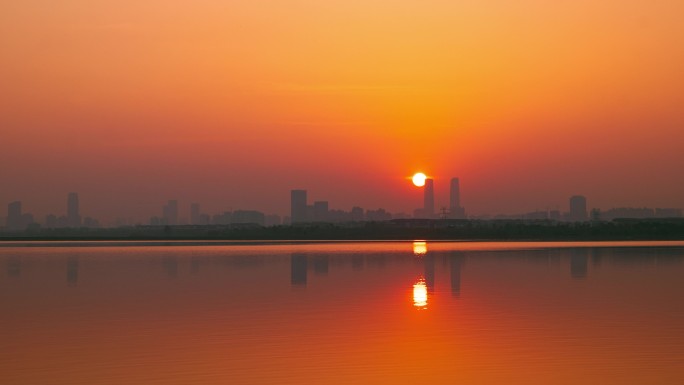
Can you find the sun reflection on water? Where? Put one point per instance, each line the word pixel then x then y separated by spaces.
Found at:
pixel 419 248
pixel 420 295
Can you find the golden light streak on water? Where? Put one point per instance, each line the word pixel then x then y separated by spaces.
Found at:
pixel 420 295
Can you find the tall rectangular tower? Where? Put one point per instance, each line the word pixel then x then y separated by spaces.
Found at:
pixel 578 208
pixel 170 212
pixel 455 209
pixel 429 198
pixel 195 214
pixel 455 194
pixel 73 215
pixel 14 215
pixel 298 206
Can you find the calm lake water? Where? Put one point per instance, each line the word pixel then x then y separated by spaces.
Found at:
pixel 342 313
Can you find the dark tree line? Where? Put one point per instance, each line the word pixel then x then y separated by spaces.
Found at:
pixel 391 230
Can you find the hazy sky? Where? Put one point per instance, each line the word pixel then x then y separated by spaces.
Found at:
pixel 234 103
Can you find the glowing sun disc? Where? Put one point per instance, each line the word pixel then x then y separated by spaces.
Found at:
pixel 419 179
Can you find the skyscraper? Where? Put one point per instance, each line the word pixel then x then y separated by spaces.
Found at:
pixel 429 198
pixel 73 215
pixel 455 209
pixel 298 206
pixel 248 216
pixel 14 216
pixel 195 214
pixel 170 212
pixel 455 193
pixel 578 208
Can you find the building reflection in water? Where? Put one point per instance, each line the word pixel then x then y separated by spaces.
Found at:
pixel 357 262
pixel 596 256
pixel 298 264
pixel 455 262
pixel 420 294
pixel 579 262
pixel 429 263
pixel 171 266
pixel 419 248
pixel 194 265
pixel 320 264
pixel 14 267
pixel 72 270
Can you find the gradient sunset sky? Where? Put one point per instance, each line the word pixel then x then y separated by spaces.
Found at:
pixel 233 103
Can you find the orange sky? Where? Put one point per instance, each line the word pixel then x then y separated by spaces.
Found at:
pixel 234 103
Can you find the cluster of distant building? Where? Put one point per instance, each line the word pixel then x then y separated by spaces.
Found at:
pixel 19 220
pixel 302 212
pixel 197 218
pixel 319 211
pixel 580 213
pixel 639 213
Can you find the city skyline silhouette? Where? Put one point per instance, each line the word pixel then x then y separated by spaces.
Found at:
pixel 321 212
pixel 527 104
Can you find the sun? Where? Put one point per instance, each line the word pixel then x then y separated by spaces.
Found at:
pixel 419 179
